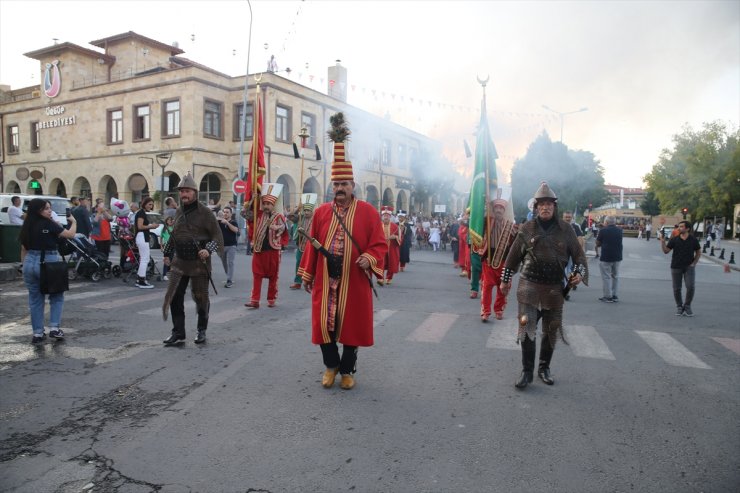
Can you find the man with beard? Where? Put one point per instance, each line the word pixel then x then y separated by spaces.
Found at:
pixel 195 237
pixel 270 236
pixel 393 240
pixel 338 276
pixel 406 233
pixel 499 235
pixel 303 219
pixel 543 247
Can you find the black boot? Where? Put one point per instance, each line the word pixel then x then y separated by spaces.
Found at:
pixel 201 337
pixel 529 349
pixel 175 337
pixel 545 357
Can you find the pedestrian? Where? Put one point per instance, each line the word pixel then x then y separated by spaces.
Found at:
pixel 610 242
pixel 142 227
pixel 542 247
pixel 434 236
pixel 170 207
pixel 351 233
pixel 303 221
pixel 230 234
pixel 499 234
pixel 195 238
pixel 270 236
pixel 169 223
pixel 648 230
pixel 15 213
pixel 464 248
pixel 100 233
pixel 686 254
pixel 38 238
pixel 406 233
pixel 391 262
pixel 81 214
pixel 454 243
pixel 568 218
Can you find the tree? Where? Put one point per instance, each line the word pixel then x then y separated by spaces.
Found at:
pixel 701 172
pixel 650 205
pixel 433 178
pixel 575 175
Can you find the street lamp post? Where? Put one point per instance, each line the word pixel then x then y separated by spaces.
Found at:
pixel 163 160
pixel 562 117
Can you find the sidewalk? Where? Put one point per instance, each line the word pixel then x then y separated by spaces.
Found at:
pixel 729 247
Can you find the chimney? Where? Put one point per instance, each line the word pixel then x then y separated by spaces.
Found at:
pixel 338 82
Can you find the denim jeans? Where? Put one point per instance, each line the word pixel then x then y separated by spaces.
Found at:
pixel 228 261
pixel 687 274
pixel 609 275
pixel 36 300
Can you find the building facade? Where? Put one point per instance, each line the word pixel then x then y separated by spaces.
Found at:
pixel 112 120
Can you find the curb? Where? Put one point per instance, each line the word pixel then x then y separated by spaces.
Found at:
pixel 721 262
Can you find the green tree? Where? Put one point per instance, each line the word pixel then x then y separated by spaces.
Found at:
pixel 575 175
pixel 650 205
pixel 433 177
pixel 701 172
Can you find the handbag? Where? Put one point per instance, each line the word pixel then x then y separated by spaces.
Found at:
pixel 54 276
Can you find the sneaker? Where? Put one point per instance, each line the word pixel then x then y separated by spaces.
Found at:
pixel 615 299
pixel 165 278
pixel 687 311
pixel 38 339
pixel 228 284
pixel 56 333
pixel 679 311
pixel 143 284
pixel 606 300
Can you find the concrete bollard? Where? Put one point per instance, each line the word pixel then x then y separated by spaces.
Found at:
pixel 722 254
pixel 704 248
pixel 711 252
pixel 732 257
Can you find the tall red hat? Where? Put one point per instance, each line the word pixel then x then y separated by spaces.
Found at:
pixel 386 210
pixel 341 169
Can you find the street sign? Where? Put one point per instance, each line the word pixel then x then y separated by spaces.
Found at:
pixel 239 187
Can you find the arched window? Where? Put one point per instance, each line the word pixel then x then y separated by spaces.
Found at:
pixel 210 189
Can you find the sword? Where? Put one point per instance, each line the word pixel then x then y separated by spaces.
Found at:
pixel 323 251
pixel 205 264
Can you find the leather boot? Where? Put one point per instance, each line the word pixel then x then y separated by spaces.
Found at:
pixel 545 357
pixel 529 350
pixel 201 337
pixel 175 337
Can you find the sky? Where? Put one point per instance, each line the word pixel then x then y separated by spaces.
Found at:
pixel 642 69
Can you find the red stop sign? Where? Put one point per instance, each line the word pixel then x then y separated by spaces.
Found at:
pixel 239 186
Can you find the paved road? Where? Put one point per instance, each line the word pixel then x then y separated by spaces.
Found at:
pixel 643 400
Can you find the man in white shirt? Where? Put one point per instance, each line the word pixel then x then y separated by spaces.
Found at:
pixel 15 214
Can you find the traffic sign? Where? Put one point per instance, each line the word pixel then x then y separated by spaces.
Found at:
pixel 239 186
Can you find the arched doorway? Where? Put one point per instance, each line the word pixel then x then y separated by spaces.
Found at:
pixel 373 197
pixel 290 192
pixel 172 189
pixel 210 189
pixel 81 187
pixel 311 186
pixel 109 188
pixel 401 201
pixel 388 197
pixel 138 186
pixel 12 187
pixel 56 187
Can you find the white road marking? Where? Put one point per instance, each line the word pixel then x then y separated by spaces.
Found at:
pixel 434 328
pixel 731 344
pixel 381 316
pixel 122 301
pixel 673 352
pixel 189 306
pixel 587 343
pixel 503 335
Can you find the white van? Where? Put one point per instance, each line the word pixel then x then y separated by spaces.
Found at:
pixel 58 205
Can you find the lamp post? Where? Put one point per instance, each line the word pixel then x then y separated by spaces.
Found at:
pixel 163 160
pixel 562 117
pixel 304 135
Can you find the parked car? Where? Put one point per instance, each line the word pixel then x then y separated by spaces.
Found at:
pixel 58 204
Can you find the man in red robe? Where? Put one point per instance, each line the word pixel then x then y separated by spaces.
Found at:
pixel 350 231
pixel 498 237
pixel 393 240
pixel 270 235
pixel 464 247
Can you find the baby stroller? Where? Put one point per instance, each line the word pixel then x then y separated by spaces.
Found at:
pixel 130 260
pixel 84 259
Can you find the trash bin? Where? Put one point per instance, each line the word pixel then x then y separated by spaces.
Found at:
pixel 10 246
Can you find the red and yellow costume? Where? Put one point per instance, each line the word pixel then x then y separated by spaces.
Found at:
pixel 343 306
pixel 393 257
pixel 267 247
pixel 464 249
pixel 493 251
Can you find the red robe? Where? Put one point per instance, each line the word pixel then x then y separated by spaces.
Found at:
pixel 393 257
pixel 354 309
pixel 463 258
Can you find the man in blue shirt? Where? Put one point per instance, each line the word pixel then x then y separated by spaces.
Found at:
pixel 610 242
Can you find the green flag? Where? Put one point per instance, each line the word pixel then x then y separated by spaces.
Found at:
pixel 485 182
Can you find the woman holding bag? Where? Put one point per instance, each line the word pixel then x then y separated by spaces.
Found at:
pixel 38 238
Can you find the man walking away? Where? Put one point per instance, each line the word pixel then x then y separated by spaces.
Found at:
pixel 610 242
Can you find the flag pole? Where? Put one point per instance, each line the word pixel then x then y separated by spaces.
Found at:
pixel 488 182
pixel 254 164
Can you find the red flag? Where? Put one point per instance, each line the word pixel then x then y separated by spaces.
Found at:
pixel 257 169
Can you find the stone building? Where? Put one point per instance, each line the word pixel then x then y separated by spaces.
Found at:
pixel 110 120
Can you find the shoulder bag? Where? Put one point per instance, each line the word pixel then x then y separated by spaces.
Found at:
pixel 54 276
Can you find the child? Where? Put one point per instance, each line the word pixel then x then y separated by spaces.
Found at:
pixel 169 223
